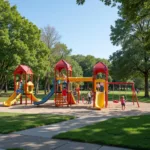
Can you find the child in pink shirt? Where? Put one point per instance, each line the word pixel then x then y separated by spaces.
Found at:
pixel 122 100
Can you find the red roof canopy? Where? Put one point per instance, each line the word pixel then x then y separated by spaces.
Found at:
pixel 100 68
pixel 62 64
pixel 23 69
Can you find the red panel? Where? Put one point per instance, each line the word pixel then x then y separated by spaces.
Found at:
pixel 100 68
pixel 62 64
pixel 23 69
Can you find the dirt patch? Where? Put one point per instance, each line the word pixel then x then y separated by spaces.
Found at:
pixel 80 110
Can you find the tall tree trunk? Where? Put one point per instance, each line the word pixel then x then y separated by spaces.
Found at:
pixel 2 84
pixel 146 85
pixel 37 85
pixel 1 88
pixel 48 85
pixel 6 87
pixel 46 82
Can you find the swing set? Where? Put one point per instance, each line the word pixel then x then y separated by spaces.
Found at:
pixel 123 87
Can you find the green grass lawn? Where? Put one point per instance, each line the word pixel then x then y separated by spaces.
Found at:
pixel 130 132
pixel 115 95
pixel 10 122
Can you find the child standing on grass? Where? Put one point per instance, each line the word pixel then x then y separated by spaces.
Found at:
pixel 122 100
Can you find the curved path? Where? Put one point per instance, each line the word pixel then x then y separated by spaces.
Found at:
pixel 40 138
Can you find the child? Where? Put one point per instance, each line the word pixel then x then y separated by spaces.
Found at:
pixel 64 94
pixel 18 91
pixel 122 100
pixel 89 97
pixel 101 87
pixel 98 86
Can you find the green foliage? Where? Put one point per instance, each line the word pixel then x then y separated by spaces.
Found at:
pixel 60 51
pixel 87 63
pixel 130 132
pixel 133 58
pixel 20 43
pixel 77 70
pixel 17 121
pixel 139 82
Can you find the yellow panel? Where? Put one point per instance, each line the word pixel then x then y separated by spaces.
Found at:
pixel 76 79
pixel 100 80
pixel 61 78
pixel 100 100
pixel 80 79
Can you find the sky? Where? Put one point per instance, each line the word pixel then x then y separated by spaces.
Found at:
pixel 84 29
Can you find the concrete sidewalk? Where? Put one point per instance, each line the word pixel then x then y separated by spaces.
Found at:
pixel 50 130
pixel 38 143
pixel 40 138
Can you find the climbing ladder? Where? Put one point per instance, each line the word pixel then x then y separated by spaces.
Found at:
pixel 59 100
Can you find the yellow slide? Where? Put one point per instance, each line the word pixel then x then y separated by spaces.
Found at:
pixel 100 100
pixel 31 96
pixel 12 99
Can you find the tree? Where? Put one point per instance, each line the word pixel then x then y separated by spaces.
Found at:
pixel 50 36
pixel 87 63
pixel 20 42
pixel 134 56
pixel 76 68
pixel 60 51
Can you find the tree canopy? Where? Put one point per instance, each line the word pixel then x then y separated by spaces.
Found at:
pixel 134 57
pixel 20 43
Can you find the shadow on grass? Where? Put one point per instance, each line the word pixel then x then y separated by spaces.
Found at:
pixel 11 122
pixel 130 132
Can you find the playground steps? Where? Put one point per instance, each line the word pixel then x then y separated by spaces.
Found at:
pixel 59 100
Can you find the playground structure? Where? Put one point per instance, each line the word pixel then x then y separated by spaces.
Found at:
pixel 100 99
pixel 63 78
pixel 22 87
pixel 25 88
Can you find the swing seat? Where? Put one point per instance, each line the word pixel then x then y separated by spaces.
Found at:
pixel 116 101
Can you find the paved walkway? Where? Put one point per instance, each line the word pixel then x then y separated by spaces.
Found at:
pixel 38 143
pixel 40 138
